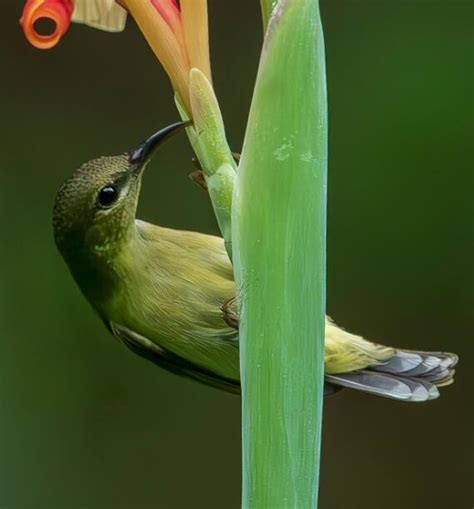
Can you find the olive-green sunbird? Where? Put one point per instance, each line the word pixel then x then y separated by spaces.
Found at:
pixel 170 295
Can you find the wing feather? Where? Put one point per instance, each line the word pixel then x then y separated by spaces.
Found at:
pixel 179 366
pixel 170 361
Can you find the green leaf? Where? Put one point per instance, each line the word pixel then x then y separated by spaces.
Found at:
pixel 279 246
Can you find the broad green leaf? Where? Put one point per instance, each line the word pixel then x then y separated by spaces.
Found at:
pixel 279 246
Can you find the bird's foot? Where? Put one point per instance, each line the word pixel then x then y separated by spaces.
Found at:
pixel 197 176
pixel 230 316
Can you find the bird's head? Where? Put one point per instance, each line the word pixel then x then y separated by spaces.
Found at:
pixel 95 208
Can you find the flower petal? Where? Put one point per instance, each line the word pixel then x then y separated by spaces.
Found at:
pixel 59 11
pixel 196 34
pixel 169 11
pixel 164 43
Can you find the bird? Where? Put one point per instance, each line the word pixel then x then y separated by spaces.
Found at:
pixel 170 296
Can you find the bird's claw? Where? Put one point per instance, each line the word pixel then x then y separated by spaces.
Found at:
pixel 230 316
pixel 197 176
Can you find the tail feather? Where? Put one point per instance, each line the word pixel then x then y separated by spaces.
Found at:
pixel 449 359
pixel 433 391
pixel 407 376
pixel 401 362
pixel 373 383
pixel 441 378
pixel 420 391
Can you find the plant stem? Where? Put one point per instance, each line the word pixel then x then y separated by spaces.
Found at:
pixel 207 137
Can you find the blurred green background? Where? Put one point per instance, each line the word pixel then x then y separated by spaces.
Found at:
pixel 84 423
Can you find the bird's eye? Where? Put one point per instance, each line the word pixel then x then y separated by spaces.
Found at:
pixel 107 196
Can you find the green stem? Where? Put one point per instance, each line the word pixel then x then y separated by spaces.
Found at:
pixel 279 245
pixel 208 139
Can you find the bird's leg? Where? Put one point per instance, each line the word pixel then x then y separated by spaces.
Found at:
pixel 230 316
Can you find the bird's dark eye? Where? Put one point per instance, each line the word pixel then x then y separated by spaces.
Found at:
pixel 107 196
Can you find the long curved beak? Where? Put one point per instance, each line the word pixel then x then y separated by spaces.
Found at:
pixel 141 155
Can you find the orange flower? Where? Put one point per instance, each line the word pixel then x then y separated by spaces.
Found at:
pixel 103 14
pixel 59 11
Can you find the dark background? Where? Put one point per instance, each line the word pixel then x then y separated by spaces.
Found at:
pixel 85 424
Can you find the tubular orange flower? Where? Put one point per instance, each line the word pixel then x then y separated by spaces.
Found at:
pixel 59 11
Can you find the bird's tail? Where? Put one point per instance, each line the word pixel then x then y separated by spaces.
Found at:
pixel 408 376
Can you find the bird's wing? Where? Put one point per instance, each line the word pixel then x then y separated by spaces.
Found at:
pixel 179 366
pixel 170 361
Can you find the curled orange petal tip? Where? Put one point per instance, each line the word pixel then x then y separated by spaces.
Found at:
pixel 58 11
